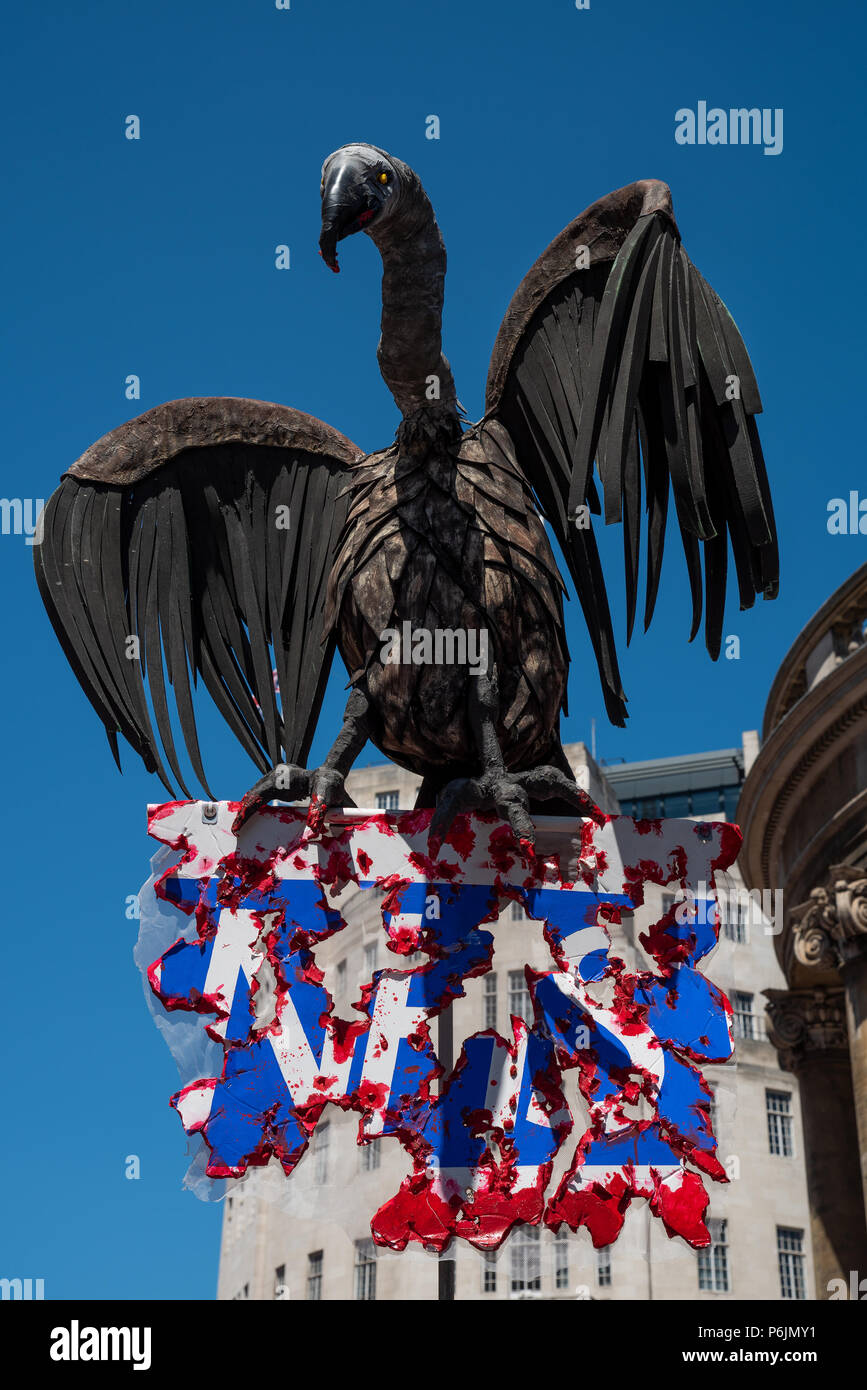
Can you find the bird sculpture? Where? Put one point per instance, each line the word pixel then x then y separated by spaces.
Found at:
pixel 243 542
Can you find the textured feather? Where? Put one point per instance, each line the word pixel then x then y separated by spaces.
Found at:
pixel 185 556
pixel 629 363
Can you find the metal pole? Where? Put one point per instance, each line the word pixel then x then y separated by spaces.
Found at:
pixel 445 1052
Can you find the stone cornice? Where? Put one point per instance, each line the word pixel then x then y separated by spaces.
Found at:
pixel 809 737
pixel 839 614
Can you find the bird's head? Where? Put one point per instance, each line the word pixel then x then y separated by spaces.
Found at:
pixel 361 187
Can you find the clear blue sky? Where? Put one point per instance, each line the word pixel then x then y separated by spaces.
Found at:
pixel 156 258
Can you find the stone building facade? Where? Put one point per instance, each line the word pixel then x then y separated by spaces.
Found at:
pixel 309 1237
pixel 804 816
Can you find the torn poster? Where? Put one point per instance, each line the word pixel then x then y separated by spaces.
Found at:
pixel 480 1142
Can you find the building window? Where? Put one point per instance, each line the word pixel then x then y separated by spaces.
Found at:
pixel 517 914
pixel 279 1281
pixel 371 955
pixel 320 1152
pixel 387 801
pixel 746 1024
pixel 314 1276
pixel 561 1259
pixel 491 1000
pixel 526 1267
pixel 603 1268
pixel 365 1270
pixel 489 1272
pixel 520 1003
pixel 341 976
pixel 790 1258
pixel 713 1260
pixel 369 1156
pixel 779 1108
pixel 713 1108
pixel 736 920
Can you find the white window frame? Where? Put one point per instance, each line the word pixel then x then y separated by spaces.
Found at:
pixel 364 1271
pixel 713 1259
pixel 525 1273
pixel 520 1002
pixel 747 1025
pixel 561 1258
pixel 315 1268
pixel 490 1000
pixel 321 1145
pixel 791 1263
pixel 369 1156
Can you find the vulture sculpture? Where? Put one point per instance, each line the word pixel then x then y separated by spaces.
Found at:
pixel 243 542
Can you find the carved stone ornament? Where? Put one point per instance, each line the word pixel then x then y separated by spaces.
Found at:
pixel 831 927
pixel 805 1022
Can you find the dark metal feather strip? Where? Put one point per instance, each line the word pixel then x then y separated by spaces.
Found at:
pixel 186 559
pixel 629 363
pixel 605 354
pixel 656 486
pixel 625 390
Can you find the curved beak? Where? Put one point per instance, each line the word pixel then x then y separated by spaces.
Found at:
pixel 351 198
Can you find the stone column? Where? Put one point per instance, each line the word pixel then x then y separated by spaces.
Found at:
pixel 831 932
pixel 855 980
pixel 808 1028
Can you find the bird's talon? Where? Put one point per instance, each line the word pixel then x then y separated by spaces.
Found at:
pixel 510 795
pixel 286 782
pixel 257 797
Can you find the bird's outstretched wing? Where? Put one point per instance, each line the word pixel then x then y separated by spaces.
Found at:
pixel 615 349
pixel 197 539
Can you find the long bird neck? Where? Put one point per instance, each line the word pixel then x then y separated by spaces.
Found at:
pixel 414 266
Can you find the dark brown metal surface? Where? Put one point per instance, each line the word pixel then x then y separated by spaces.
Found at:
pixel 164 531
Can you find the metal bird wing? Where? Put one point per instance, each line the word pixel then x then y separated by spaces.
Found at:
pixel 197 540
pixel 614 349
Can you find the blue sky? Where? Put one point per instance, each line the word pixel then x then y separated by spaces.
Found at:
pixel 156 257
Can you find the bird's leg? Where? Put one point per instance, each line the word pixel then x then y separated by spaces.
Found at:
pixel 509 793
pixel 324 785
pixel 327 786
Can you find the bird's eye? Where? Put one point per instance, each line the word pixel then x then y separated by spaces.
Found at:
pixel 383 178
